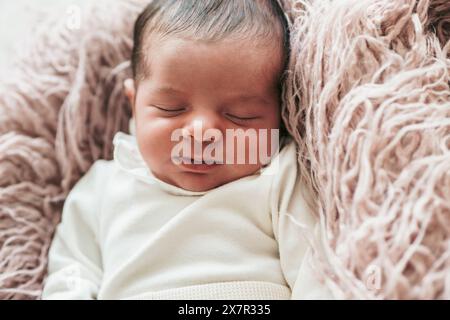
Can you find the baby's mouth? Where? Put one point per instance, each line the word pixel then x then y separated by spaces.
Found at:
pixel 194 161
pixel 197 163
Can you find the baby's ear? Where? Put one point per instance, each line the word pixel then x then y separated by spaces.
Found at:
pixel 130 92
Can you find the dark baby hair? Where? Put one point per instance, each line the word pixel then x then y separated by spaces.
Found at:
pixel 209 21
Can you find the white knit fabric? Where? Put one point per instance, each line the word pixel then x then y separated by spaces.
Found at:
pixel 233 290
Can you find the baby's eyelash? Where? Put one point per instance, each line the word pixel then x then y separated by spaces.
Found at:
pixel 241 118
pixel 169 110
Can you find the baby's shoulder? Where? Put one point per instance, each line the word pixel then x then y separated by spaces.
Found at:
pixel 101 167
pixel 96 177
pixel 85 197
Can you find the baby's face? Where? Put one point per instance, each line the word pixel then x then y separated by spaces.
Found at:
pixel 227 85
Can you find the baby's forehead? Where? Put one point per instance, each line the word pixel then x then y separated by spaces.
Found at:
pixel 206 85
pixel 258 58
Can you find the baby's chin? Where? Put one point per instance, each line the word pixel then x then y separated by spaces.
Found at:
pixel 200 182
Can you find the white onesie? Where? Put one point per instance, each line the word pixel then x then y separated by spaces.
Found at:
pixel 125 234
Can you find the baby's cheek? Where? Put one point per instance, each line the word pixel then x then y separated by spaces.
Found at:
pixel 154 136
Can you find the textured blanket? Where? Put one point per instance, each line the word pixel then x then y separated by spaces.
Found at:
pixel 366 97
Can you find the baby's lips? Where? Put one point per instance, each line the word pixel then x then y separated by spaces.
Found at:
pixel 212 161
pixel 191 160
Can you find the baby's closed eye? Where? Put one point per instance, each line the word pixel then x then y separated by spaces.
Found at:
pixel 169 108
pixel 241 117
pixel 234 116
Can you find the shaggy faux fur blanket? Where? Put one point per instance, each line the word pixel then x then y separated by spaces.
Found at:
pixel 366 97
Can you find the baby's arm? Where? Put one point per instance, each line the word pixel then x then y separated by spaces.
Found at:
pixel 75 264
pixel 294 224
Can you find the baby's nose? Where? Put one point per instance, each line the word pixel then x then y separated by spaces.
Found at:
pixel 202 131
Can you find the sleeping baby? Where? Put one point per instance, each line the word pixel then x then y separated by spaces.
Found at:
pixel 202 199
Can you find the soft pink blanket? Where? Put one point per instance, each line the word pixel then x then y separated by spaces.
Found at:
pixel 367 99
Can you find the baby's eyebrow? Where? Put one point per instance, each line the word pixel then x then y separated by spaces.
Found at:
pixel 169 90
